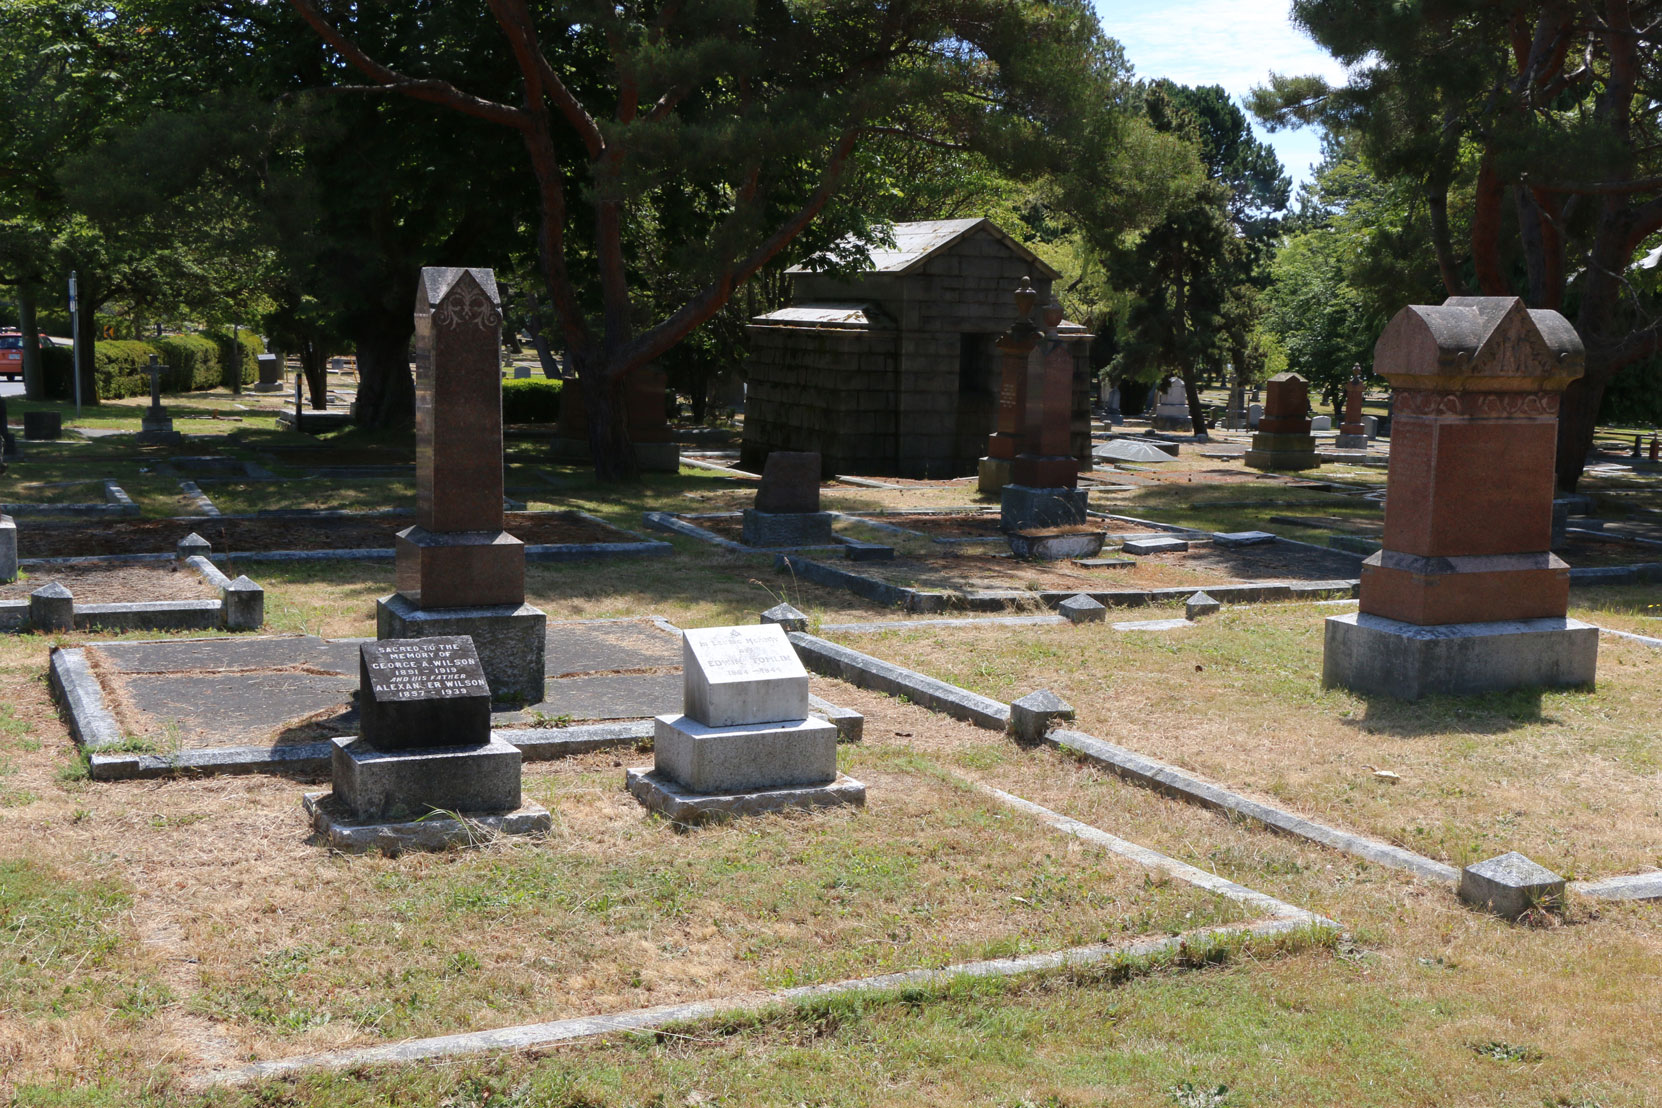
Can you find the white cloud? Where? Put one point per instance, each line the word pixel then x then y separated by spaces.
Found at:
pixel 1233 43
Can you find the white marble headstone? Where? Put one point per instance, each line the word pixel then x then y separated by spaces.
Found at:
pixel 740 675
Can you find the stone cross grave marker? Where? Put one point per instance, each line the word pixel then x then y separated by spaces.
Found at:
pixel 423 692
pixel 157 425
pixel 739 675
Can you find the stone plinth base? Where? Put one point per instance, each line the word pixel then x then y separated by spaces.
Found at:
pixel 746 757
pixel 1023 507
pixel 992 474
pixel 380 785
pixel 786 528
pixel 1282 450
pixel 157 432
pixel 459 569
pixel 1371 654
pixel 1172 423
pixel 682 806
pixel 1480 588
pixel 1510 885
pixel 8 549
pixel 651 457
pixel 509 638
pixel 1351 442
pixel 341 832
pixel 268 386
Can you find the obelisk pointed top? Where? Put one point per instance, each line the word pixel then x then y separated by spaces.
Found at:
pixel 438 281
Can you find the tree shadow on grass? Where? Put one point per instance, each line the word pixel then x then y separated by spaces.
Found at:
pixel 1491 713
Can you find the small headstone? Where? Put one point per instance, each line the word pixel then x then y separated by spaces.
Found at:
pixel 1242 538
pixel 1161 544
pixel 417 693
pixel 1255 412
pixel 52 608
pixel 1082 609
pixel 1104 563
pixel 1509 885
pixel 1370 426
pixel 42 426
pixel 8 549
pixel 244 605
pixel 1321 423
pixel 790 482
pixel 1200 604
pixel 191 546
pixel 270 373
pixel 522 372
pixel 740 675
pixel 786 617
pixel 856 550
pixel 1031 716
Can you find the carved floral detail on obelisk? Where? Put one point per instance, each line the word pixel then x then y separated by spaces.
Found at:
pixel 467 303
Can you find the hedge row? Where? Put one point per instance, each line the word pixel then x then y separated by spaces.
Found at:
pixel 193 361
pixel 530 400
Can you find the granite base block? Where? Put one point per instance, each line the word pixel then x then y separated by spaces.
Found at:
pixel 747 757
pixel 686 808
pixel 1351 442
pixel 373 784
pixel 992 474
pixel 1371 654
pixel 341 832
pixel 1022 507
pixel 773 529
pixel 510 640
pixel 1510 885
pixel 658 457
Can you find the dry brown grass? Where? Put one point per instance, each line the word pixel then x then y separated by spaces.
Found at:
pixel 1568 778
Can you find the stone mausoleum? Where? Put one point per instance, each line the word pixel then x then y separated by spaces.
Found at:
pixel 894 371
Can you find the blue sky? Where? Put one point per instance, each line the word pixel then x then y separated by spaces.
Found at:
pixel 1233 43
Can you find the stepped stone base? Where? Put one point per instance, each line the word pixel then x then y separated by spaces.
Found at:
pixel 511 640
pixel 341 832
pixel 381 785
pixel 773 529
pixel 682 806
pixel 1282 450
pixel 1372 654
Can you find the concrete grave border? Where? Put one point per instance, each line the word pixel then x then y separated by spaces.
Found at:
pixel 538 552
pixel 1283 919
pixel 141 615
pixel 116 503
pixel 865 671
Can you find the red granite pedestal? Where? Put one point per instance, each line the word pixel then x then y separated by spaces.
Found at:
pixel 1283 440
pixel 1044 478
pixel 1015 349
pixel 1353 435
pixel 458 571
pixel 1466 595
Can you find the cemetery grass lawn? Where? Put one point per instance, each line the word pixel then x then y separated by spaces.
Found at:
pixel 354 494
pixel 1569 778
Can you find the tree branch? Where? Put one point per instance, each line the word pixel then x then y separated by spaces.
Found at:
pixel 515 17
pixel 430 89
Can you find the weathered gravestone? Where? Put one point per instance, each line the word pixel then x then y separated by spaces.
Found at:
pixel 8 549
pixel 787 503
pixel 41 426
pixel 157 425
pixel 1466 595
pixel 458 572
pixel 1171 413
pixel 271 373
pixel 1283 440
pixel 1044 477
pixel 425 746
pixel 744 743
pixel 1015 348
pixel 1353 434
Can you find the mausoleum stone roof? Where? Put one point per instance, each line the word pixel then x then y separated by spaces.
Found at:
pixel 916 243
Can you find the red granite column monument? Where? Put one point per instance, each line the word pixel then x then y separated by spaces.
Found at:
pixel 458 572
pixel 1015 348
pixel 1467 595
pixel 1283 440
pixel 1353 435
pixel 1044 478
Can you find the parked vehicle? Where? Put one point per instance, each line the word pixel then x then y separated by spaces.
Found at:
pixel 11 353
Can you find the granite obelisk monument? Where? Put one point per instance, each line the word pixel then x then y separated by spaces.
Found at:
pixel 458 571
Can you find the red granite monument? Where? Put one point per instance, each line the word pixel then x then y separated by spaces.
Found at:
pixel 458 571
pixel 1466 594
pixel 1044 476
pixel 1353 434
pixel 1015 348
pixel 1283 440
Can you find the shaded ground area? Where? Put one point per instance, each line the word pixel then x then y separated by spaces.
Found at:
pixel 116 584
pixel 152 536
pixel 206 693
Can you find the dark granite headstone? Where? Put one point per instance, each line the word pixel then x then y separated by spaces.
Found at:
pixel 423 693
pixel 790 482
pixel 42 426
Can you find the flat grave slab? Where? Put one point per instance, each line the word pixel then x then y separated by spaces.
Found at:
pixel 1124 450
pixel 205 694
pixel 1155 545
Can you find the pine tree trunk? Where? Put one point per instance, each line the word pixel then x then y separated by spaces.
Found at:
pixel 614 454
pixel 313 366
pixel 1577 416
pixel 88 337
pixel 1197 414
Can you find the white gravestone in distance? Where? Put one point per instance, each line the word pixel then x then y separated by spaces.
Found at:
pixel 742 675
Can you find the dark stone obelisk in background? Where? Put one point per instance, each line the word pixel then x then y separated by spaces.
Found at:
pixel 458 571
